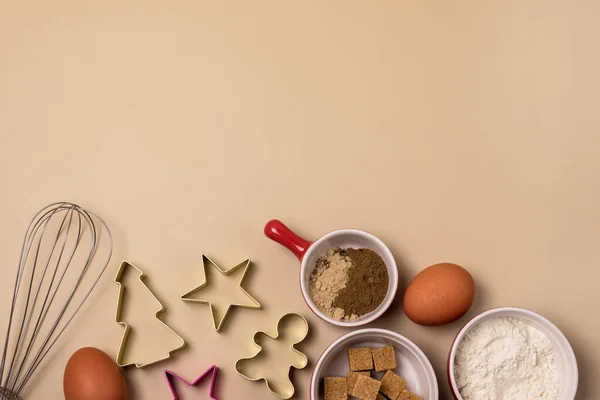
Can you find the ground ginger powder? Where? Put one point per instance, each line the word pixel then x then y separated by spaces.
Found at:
pixel 329 277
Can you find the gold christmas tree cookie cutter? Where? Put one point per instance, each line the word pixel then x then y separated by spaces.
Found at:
pixel 219 324
pixel 125 338
pixel 299 328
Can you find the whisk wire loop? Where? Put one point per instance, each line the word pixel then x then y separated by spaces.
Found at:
pixel 44 302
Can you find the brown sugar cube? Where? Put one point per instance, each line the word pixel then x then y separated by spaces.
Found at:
pixel 414 396
pixel 407 395
pixel 380 397
pixel 392 385
pixel 385 358
pixel 404 395
pixel 353 376
pixel 366 388
pixel 360 358
pixel 336 388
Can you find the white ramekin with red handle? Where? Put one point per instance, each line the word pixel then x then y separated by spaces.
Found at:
pixel 309 252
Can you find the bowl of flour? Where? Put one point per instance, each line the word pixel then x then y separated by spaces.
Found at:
pixel 512 353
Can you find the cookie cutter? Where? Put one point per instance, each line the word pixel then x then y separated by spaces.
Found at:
pixel 219 324
pixel 285 389
pixel 119 359
pixel 170 376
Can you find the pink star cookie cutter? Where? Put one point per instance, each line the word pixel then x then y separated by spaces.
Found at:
pixel 170 376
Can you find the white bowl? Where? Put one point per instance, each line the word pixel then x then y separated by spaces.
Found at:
pixel 413 365
pixel 566 364
pixel 345 238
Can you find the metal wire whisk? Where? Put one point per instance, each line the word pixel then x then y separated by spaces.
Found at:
pixel 56 275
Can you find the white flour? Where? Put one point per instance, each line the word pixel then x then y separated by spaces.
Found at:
pixel 506 359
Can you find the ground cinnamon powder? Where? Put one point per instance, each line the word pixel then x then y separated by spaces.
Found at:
pixel 367 283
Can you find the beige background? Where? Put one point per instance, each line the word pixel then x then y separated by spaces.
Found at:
pixel 455 131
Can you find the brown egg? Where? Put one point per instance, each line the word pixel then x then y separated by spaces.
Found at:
pixel 91 374
pixel 439 294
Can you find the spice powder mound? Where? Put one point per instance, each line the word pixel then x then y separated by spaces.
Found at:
pixel 348 283
pixel 367 283
pixel 329 277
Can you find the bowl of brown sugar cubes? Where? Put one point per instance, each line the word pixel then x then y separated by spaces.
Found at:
pixel 373 364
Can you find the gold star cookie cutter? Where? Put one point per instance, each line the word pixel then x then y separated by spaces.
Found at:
pixel 119 359
pixel 255 305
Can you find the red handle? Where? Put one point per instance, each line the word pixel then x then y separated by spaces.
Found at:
pixel 278 232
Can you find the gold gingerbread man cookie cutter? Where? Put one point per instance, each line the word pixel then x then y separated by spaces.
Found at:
pixel 298 325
